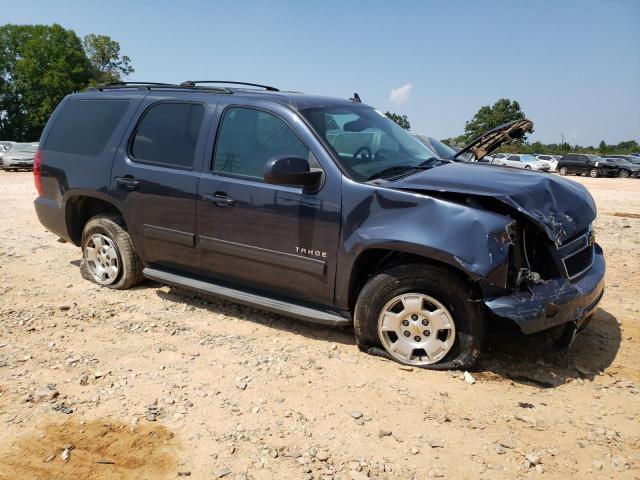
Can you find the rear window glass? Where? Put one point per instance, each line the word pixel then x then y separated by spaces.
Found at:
pixel 168 134
pixel 83 127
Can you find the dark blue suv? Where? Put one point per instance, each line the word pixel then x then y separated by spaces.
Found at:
pixel 317 208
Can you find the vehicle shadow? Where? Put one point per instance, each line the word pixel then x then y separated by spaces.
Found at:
pixel 530 360
pixel 534 361
pixel 215 305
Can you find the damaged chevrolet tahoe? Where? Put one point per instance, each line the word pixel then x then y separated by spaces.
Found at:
pixel 317 208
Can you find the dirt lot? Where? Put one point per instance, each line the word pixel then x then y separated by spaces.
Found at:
pixel 152 383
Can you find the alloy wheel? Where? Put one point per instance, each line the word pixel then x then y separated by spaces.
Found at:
pixel 103 261
pixel 416 329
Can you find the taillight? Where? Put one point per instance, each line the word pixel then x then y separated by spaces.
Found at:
pixel 37 172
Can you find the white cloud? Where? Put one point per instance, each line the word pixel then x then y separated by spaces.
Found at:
pixel 400 95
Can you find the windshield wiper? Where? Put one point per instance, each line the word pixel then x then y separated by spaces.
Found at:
pixel 396 169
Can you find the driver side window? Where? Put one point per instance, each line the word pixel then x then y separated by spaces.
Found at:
pixel 248 138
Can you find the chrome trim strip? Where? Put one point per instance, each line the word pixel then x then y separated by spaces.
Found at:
pixel 263 255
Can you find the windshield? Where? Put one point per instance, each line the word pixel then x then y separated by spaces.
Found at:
pixel 368 144
pixel 24 148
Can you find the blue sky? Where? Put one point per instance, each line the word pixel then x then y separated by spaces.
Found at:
pixel 574 66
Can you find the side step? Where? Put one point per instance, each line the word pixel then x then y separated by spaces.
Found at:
pixel 253 300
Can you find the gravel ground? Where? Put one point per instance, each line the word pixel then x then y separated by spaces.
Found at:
pixel 154 383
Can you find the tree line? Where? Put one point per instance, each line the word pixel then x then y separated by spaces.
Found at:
pixel 40 64
pixel 505 110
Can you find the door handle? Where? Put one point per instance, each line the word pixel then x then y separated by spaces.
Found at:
pixel 127 183
pixel 219 199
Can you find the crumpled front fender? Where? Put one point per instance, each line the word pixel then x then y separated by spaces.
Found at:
pixel 465 236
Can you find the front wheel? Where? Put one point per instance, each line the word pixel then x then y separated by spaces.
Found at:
pixel 108 256
pixel 594 173
pixel 563 171
pixel 420 315
pixel 527 167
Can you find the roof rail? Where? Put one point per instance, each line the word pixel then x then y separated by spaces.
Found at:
pixel 156 85
pixel 193 83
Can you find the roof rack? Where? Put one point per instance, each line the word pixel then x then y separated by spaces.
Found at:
pixel 193 83
pixel 157 85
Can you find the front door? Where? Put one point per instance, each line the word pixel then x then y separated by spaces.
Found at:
pixel 155 180
pixel 269 237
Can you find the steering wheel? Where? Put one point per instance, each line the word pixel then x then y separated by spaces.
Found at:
pixel 362 150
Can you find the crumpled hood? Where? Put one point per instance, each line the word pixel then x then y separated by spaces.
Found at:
pixel 561 207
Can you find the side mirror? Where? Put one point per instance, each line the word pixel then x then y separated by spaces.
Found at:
pixel 285 170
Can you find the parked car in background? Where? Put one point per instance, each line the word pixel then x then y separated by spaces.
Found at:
pixel 5 146
pixel 18 156
pixel 582 164
pixel 496 156
pixel 553 162
pixel 629 158
pixel 442 149
pixel 625 167
pixel 528 162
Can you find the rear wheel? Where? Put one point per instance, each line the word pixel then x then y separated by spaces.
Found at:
pixel 419 314
pixel 594 173
pixel 527 167
pixel 623 174
pixel 563 171
pixel 108 256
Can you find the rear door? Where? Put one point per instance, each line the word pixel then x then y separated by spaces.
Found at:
pixel 155 176
pixel 581 163
pixel 275 238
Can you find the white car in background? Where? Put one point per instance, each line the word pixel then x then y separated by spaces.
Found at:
pixel 18 156
pixel 528 162
pixel 553 161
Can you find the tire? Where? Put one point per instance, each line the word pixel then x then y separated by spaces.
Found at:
pixel 594 173
pixel 563 171
pixel 119 251
pixel 623 174
pixel 527 167
pixel 433 284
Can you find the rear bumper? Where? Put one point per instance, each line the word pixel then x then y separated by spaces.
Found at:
pixel 52 217
pixel 553 302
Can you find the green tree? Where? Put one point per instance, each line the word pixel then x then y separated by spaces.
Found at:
pixel 39 65
pixel 401 120
pixel 106 62
pixel 488 117
pixel 602 147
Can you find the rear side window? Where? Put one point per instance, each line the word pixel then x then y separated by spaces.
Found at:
pixel 83 127
pixel 249 137
pixel 168 134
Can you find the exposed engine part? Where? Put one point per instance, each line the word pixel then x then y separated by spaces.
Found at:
pixel 527 277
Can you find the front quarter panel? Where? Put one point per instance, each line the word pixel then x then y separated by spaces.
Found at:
pixel 468 238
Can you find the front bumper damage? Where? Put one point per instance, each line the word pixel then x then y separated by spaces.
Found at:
pixel 553 302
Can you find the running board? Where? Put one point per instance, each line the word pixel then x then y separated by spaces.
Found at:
pixel 253 300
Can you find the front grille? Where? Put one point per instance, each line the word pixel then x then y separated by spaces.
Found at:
pixel 578 255
pixel 579 263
